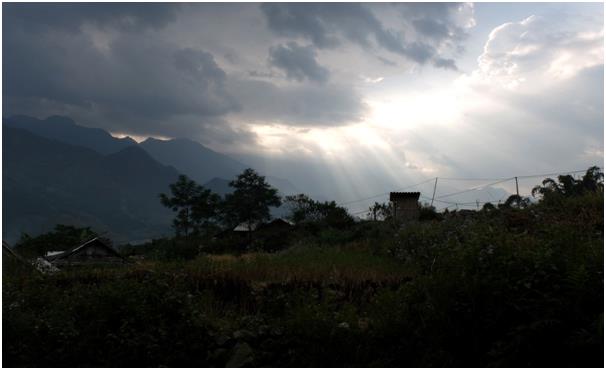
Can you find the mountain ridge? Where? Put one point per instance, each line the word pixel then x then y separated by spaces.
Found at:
pixel 66 130
pixel 46 182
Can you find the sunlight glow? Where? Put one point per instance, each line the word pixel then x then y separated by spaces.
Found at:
pixel 137 138
pixel 418 109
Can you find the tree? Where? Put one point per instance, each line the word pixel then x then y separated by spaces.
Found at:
pixel 306 210
pixel 593 180
pixel 568 186
pixel 250 201
pixel 517 201
pixel 488 207
pixel 205 210
pixel 195 205
pixel 302 208
pixel 380 211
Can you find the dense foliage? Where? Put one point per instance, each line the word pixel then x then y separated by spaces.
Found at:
pixel 305 210
pixel 509 286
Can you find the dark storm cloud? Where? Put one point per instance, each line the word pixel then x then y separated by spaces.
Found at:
pixel 137 76
pixel 435 20
pixel 199 65
pixel 71 16
pixel 122 75
pixel 327 25
pixel 299 62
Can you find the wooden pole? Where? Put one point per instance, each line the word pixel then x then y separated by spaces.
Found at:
pixel 517 190
pixel 435 185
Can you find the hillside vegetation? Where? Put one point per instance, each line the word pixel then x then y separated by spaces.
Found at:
pixel 503 287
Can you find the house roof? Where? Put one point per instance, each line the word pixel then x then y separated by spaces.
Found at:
pixel 244 227
pixel 280 220
pixel 69 252
pixel 404 195
pixel 276 223
pixel 6 248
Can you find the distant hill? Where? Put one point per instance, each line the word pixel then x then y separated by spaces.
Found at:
pixel 284 186
pixel 219 186
pixel 187 156
pixel 46 182
pixel 193 159
pixel 64 129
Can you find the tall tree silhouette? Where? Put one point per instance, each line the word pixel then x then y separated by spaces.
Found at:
pixel 250 201
pixel 195 205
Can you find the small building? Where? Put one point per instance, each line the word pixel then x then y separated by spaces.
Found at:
pixel 267 236
pixel 405 206
pixel 244 227
pixel 94 251
pixel 276 225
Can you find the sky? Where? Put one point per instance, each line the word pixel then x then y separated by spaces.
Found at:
pixel 342 99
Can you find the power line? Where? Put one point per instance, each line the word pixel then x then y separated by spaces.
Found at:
pixel 474 188
pixel 382 194
pixel 470 179
pixel 506 178
pixel 472 203
pixel 438 199
pixel 551 174
pixel 447 202
pixel 359 212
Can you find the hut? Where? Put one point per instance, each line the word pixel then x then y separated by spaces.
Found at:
pixel 268 236
pixel 94 251
pixel 243 229
pixel 405 206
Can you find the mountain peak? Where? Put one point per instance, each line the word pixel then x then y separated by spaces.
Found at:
pixel 66 130
pixel 192 158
